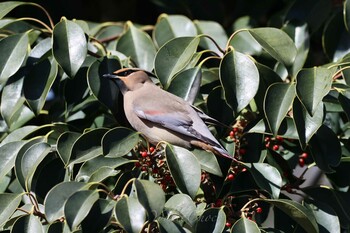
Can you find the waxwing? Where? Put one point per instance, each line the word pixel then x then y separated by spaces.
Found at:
pixel 162 116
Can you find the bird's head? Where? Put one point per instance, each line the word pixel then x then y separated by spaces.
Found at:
pixel 130 79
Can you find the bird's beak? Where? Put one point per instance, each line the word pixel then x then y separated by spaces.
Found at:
pixel 110 76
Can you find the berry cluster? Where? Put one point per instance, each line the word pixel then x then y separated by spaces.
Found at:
pixel 302 159
pixel 274 143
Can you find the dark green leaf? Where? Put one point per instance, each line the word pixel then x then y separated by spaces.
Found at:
pixel 99 216
pixel 130 214
pixel 65 143
pixel 6 7
pixel 102 173
pixel 325 149
pixel 239 78
pixel 277 102
pixel 303 216
pixel 277 43
pixel 186 84
pixel 119 141
pixel 347 14
pixel 38 82
pixel 184 168
pixel 8 153
pixel 151 197
pixel 212 220
pixel 183 204
pixel 344 100
pixel 69 46
pixel 78 206
pixel 208 161
pixel 8 204
pixel 244 225
pixel 172 26
pixel 28 224
pixel 139 46
pixel 172 57
pixel 306 124
pixel 13 50
pixel 312 85
pixel 57 197
pixel 167 225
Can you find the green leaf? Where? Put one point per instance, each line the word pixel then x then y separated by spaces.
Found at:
pixel 215 31
pixel 119 141
pixel 102 173
pixel 13 50
pixel 325 149
pixel 306 124
pixel 8 204
pixel 130 214
pixel 212 220
pixel 346 13
pixel 312 85
pixel 65 143
pixel 139 46
pixel 78 206
pixel 69 46
pixel 277 102
pixel 239 78
pixel 56 198
pixel 151 197
pixel 104 89
pixel 208 161
pixel 186 84
pixel 303 216
pixel 8 153
pixel 245 225
pixel 19 134
pixel 87 146
pixel 266 177
pixel 28 224
pixel 325 217
pixel 167 225
pixel 183 205
pixel 172 26
pixel 38 82
pixel 173 56
pixel 184 168
pixel 277 43
pixel 344 100
pixel 6 7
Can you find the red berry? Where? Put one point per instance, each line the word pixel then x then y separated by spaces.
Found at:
pixel 304 155
pixel 228 224
pixel 267 144
pixel 151 149
pixel 301 162
pixel 267 139
pixel 218 203
pixel 259 210
pixel 137 164
pixel 244 169
pixel 144 154
pixel 232 134
pixel 275 147
pixel 230 177
pixel 235 129
pixel 279 138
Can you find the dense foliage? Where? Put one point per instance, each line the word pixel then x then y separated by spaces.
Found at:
pixel 70 162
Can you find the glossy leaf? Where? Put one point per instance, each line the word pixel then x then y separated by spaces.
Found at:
pixel 27 224
pixel 172 26
pixel 303 216
pixel 138 45
pixel 215 31
pixel 38 82
pixel 151 197
pixel 239 78
pixel 277 43
pixel 306 124
pixel 6 7
pixel 65 143
pixel 8 204
pixel 325 149
pixel 183 205
pixel 346 13
pixel 13 50
pixel 102 173
pixel 212 220
pixel 99 216
pixel 8 153
pixel 244 225
pixel 325 216
pixel 130 214
pixel 173 56
pixel 312 85
pixel 69 46
pixel 87 146
pixel 186 84
pixel 277 102
pixel 78 206
pixel 184 168
pixel 208 161
pixel 105 90
pixel 57 197
pixel 344 100
pixel 167 225
pixel 119 141
pixel 19 134
pixel 267 177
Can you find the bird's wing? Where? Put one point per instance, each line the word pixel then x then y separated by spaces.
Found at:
pixel 207 119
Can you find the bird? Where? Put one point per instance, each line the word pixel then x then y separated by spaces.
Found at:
pixel 162 116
